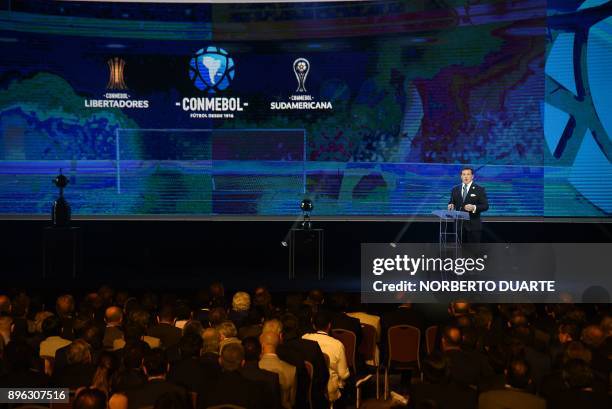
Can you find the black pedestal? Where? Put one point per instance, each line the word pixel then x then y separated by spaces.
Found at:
pixel 306 253
pixel 62 252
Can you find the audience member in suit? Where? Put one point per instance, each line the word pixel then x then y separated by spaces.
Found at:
pixel 92 334
pixel 270 361
pixel 514 395
pixel 466 368
pixel 210 349
pixel 231 387
pixel 267 380
pixel 295 350
pixel 22 326
pixel 168 334
pixel 79 371
pixel 23 366
pixel 114 318
pixel 438 387
pixel 580 390
pixel 155 368
pixel 251 325
pixel 189 371
pixel 135 333
pixel 64 306
pixel 51 328
pixel 132 376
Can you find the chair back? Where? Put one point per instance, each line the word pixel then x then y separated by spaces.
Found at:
pixel 349 340
pixel 367 349
pixel 310 371
pixel 430 338
pixel 403 344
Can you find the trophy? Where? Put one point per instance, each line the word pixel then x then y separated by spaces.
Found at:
pixel 306 207
pixel 60 214
pixel 301 66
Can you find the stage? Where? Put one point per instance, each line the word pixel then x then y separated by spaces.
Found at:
pixel 187 254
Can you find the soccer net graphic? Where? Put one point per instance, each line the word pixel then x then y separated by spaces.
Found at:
pixel 222 171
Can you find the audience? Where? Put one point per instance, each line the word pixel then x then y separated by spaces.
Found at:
pixel 171 352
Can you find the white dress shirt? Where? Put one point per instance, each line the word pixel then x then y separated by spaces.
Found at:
pixel 467 194
pixel 338 368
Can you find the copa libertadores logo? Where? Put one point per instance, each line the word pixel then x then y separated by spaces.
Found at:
pixel 211 70
pixel 301 100
pixel 116 82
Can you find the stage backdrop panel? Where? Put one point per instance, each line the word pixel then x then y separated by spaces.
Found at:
pixel 366 108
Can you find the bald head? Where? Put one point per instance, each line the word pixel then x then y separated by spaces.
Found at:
pixel 269 342
pixel 113 315
pixel 451 337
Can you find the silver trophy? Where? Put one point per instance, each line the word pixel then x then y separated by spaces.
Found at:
pixel 301 66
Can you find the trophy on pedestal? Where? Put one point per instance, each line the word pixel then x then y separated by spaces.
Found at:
pixel 60 214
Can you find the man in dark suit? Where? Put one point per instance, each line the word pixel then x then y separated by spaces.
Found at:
pixel 231 388
pixel 438 387
pixel 295 351
pixel 188 371
pixel 472 198
pixel 268 381
pixel 165 330
pixel 155 367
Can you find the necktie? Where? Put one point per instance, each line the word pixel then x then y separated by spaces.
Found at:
pixel 464 193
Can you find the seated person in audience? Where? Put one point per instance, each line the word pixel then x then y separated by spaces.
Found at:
pixel 227 334
pixel 439 388
pixel 515 393
pixel 580 389
pixel 155 368
pixel 270 361
pixel 89 332
pixel 131 375
pixel 295 350
pixel 241 304
pixel 114 319
pixel 188 371
pixel 231 388
pixel 23 367
pixel 164 330
pixel 210 348
pixel 466 367
pixel 334 349
pixel 51 328
pixel 135 333
pixel 267 380
pixel 90 398
pixel 64 307
pixel 80 369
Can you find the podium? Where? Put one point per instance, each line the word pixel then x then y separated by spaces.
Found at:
pixel 451 226
pixel 306 253
pixel 62 252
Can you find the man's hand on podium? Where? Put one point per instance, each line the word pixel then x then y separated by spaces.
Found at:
pixel 451 206
pixel 470 207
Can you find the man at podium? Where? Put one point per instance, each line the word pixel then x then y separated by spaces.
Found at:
pixel 471 198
